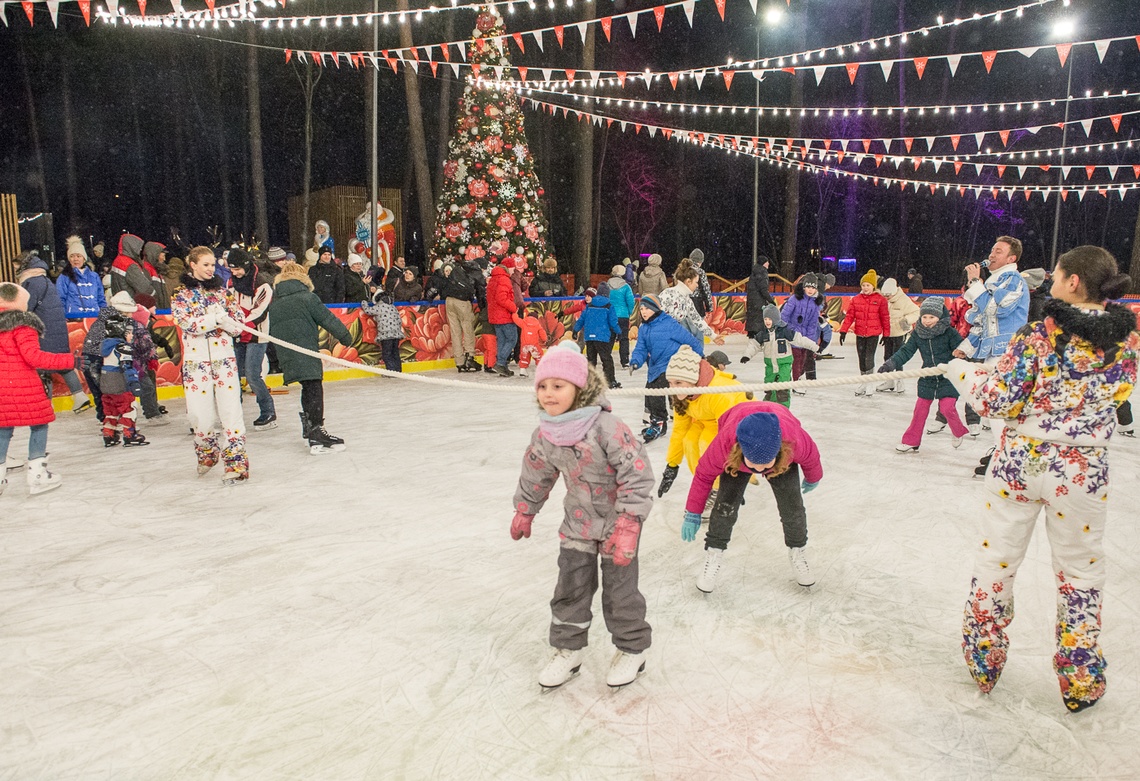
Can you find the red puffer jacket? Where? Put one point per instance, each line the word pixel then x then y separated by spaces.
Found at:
pixel 500 297
pixel 22 399
pixel 869 314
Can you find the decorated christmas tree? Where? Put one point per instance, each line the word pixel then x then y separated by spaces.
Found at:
pixel 489 205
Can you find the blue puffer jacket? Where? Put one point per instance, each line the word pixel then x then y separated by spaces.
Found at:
pixel 599 321
pixel 621 297
pixel 82 295
pixel 657 341
pixel 44 303
pixel 802 313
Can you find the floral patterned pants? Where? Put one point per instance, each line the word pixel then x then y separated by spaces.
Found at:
pixel 1071 483
pixel 213 405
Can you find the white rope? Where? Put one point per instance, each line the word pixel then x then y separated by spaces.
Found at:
pixel 756 387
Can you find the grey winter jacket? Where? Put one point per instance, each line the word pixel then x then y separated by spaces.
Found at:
pixel 44 303
pixel 652 280
pixel 607 474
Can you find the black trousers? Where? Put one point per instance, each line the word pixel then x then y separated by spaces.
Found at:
pixel 390 351
pixel 655 406
pixel 891 345
pixel 623 340
pixel 313 401
pixel 866 346
pixel 91 373
pixel 605 351
pixel 789 503
pixel 1124 414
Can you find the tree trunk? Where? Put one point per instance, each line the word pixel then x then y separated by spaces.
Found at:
pixel 582 260
pixel 33 123
pixel 444 109
pixel 308 88
pixel 73 215
pixel 792 185
pixel 417 138
pixel 256 164
pixel 224 165
pixel 598 193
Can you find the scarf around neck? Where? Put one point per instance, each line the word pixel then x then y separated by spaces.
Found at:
pixel 569 428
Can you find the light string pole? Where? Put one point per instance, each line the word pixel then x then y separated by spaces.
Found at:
pixel 1061 169
pixel 373 211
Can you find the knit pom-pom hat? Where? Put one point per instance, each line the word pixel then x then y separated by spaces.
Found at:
pixel 651 302
pixel 932 306
pixel 759 437
pixel 684 366
pixel 870 278
pixel 564 362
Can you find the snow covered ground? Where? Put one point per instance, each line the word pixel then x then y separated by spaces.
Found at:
pixel 366 614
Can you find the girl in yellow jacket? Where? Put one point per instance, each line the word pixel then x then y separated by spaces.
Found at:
pixel 694 417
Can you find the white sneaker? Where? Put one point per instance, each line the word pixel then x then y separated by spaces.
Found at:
pixel 903 448
pixel 800 567
pixel 975 429
pixel 625 668
pixel 957 443
pixel 40 479
pixel 935 427
pixel 561 668
pixel 11 463
pixel 522 372
pixel 706 581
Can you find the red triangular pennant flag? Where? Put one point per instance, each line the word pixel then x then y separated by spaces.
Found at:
pixel 659 15
pixel 988 58
pixel 142 7
pixel 909 142
pixel 519 41
pixel 30 10
pixel 720 8
pixel 993 192
pixel 954 141
pixel 1116 121
pixel 1064 195
pixel 728 76
pixel 85 7
pixel 917 162
pixel 1004 137
pixel 570 74
pixel 1090 170
pixel 866 145
pixel 288 55
pixel 840 154
pixel 522 72
pixel 878 160
pixel 210 4
pixel 852 69
pixel 621 77
pixel 957 166
pixel 636 128
pixel 1063 52
pixel 607 23
pixel 920 66
pixel 446 49
pixel 667 132
pixel 432 63
pixel 1001 171
pixel 673 80
pixel 559 31
pixel 931 189
pixel 1136 171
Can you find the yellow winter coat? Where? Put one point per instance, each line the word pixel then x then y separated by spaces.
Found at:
pixel 693 431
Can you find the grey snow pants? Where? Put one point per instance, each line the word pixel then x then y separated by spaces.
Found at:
pixel 623 606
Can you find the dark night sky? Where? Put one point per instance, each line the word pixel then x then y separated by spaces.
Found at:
pixel 152 109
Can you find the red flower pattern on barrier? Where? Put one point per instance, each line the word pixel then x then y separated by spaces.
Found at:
pixel 430 335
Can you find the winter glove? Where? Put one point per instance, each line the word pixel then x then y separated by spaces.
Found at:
pixel 632 369
pixel 842 337
pixel 622 544
pixel 807 487
pixel 667 478
pixel 886 367
pixel 520 526
pixel 690 526
pixel 745 359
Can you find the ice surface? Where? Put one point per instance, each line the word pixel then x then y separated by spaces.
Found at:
pixel 366 614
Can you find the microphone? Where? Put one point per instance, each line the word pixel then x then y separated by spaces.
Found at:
pixel 985 263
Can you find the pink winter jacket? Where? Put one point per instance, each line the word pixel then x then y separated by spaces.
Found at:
pixel 711 465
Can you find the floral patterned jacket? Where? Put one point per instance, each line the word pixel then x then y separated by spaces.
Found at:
pixel 1061 379
pixel 207 349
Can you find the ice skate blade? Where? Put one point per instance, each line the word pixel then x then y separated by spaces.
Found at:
pixel 320 450
pixel 616 686
pixel 573 674
pixel 266 427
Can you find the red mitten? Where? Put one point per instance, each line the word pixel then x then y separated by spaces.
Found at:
pixel 622 544
pixel 520 526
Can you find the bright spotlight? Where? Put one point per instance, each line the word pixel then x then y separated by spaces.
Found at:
pixel 773 15
pixel 1064 29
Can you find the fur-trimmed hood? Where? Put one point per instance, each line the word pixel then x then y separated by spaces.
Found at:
pixel 213 283
pixel 11 319
pixel 801 295
pixel 1105 331
pixel 594 394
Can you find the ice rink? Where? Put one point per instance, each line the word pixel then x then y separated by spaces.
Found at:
pixel 365 615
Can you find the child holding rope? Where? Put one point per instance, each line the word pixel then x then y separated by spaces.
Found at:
pixel 1056 388
pixel 608 496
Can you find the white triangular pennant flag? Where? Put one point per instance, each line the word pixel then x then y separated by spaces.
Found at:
pixel 979 138
pixel 454 68
pixel 462 46
pixel 977 169
pixel 648 79
pixel 414 63
pixel 819 70
pixel 113 7
pixel 929 142
pixel 1101 48
pixel 753 4
pixel 4 13
pixel 545 73
pixel 1034 130
pixel 499 72
pixel 1080 195
pixel 688 7
pixel 623 124
pixel 699 77
pixel 952 60
pixel 1065 171
pixel 887 65
pixel 427 51
pixel 597 120
pixel 537 39
pixel 581 30
pixel 177 6
pixel 1021 172
pixel 1087 125
pixel 652 130
pixel 53 10
pixel 1112 169
pixel 937 163
pixel 632 19
pixel 1028 52
pixel 594 77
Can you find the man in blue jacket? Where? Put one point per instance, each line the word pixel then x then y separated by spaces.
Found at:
pixel 658 337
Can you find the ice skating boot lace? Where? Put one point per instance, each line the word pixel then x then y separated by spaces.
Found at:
pixel 561 668
pixel 706 581
pixel 625 668
pixel 798 559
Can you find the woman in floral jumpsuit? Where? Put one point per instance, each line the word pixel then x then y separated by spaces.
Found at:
pixel 1057 387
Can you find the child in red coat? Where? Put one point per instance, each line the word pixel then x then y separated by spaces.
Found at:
pixel 22 398
pixel 871 319
pixel 532 336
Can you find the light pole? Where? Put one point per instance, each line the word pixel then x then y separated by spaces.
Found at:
pixel 1064 28
pixel 373 209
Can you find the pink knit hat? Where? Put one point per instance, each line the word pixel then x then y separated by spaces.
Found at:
pixel 564 362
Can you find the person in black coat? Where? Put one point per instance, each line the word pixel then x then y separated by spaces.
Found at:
pixel 327 278
pixel 436 282
pixel 914 282
pixel 758 297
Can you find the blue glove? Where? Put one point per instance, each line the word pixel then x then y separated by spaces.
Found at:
pixel 690 526
pixel 807 487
